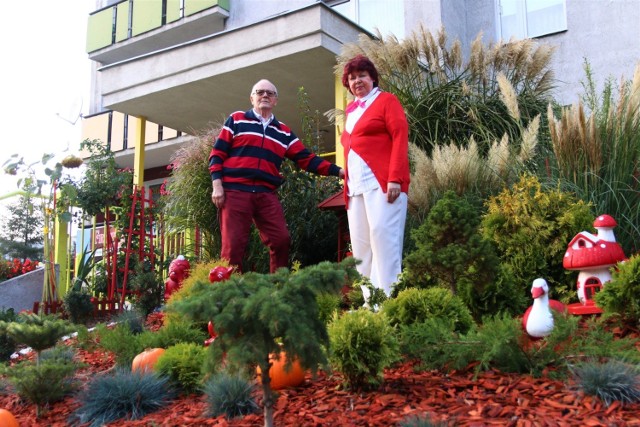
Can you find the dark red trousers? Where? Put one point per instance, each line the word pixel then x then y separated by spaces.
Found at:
pixel 240 210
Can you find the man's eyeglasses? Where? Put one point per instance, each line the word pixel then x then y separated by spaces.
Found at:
pixel 261 92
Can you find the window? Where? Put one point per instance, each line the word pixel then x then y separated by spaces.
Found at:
pixel 523 19
pixel 385 15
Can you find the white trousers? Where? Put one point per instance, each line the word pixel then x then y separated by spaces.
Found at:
pixel 377 233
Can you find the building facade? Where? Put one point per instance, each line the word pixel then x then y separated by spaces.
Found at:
pixel 167 69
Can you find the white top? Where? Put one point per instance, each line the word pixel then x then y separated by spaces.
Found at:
pixel 361 178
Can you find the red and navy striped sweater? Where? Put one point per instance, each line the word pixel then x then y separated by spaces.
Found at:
pixel 248 157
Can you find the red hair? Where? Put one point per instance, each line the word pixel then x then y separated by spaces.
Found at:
pixel 359 63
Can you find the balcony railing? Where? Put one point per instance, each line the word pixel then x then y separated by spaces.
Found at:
pixel 128 19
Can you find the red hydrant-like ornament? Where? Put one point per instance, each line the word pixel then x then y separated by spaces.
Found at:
pixel 178 271
pixel 217 274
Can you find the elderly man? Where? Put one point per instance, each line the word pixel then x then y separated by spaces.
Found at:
pixel 245 171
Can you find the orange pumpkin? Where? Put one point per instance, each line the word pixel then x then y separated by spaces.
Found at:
pixel 280 378
pixel 7 419
pixel 146 360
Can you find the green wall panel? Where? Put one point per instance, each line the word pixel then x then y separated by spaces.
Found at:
pixel 99 29
pixel 194 6
pixel 173 10
pixel 122 21
pixel 147 15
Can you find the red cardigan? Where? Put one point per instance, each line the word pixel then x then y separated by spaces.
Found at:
pixel 381 138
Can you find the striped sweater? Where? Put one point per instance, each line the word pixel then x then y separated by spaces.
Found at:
pixel 248 157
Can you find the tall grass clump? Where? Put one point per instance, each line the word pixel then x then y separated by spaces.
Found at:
pixel 473 124
pixel 187 204
pixel 596 143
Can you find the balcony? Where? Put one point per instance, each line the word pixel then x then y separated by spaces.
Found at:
pixel 129 29
pixel 198 80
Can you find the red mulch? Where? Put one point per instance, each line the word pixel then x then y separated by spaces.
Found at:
pixel 491 399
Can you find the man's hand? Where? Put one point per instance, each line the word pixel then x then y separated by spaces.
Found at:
pixel 341 173
pixel 217 196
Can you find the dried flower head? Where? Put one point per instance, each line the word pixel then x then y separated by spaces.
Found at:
pixel 71 162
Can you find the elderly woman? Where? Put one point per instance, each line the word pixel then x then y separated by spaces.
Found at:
pixel 375 141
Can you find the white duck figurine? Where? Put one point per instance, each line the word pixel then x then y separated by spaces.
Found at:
pixel 538 320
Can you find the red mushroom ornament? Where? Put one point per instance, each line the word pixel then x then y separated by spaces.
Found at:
pixel 593 256
pixel 538 320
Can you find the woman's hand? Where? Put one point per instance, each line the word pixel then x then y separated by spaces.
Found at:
pixel 393 191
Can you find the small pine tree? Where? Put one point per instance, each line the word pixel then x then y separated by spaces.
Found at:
pixel 256 315
pixel 451 251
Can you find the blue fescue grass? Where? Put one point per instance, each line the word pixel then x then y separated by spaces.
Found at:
pixel 122 394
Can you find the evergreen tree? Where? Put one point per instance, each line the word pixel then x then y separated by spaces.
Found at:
pixel 257 315
pixel 21 233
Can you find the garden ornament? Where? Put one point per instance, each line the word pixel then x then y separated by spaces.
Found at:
pixel 538 320
pixel 593 256
pixel 216 274
pixel 178 271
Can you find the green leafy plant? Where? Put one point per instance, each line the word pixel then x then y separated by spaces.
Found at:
pixel 415 305
pixel 230 395
pixel 182 363
pixel 258 315
pixel 103 182
pixel 362 345
pixel 610 381
pixel 620 295
pixel 122 394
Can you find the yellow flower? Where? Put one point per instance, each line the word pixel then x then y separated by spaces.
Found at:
pixel 46 230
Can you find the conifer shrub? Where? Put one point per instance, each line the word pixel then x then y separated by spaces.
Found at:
pixel 362 345
pixel 121 341
pixel 122 394
pixel 7 345
pixel 328 304
pixel 434 344
pixel 37 331
pixel 417 305
pixel 620 295
pixel 531 227
pixel 178 331
pixel 48 381
pixel 182 363
pixel 231 395
pixel 610 381
pixel 450 251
